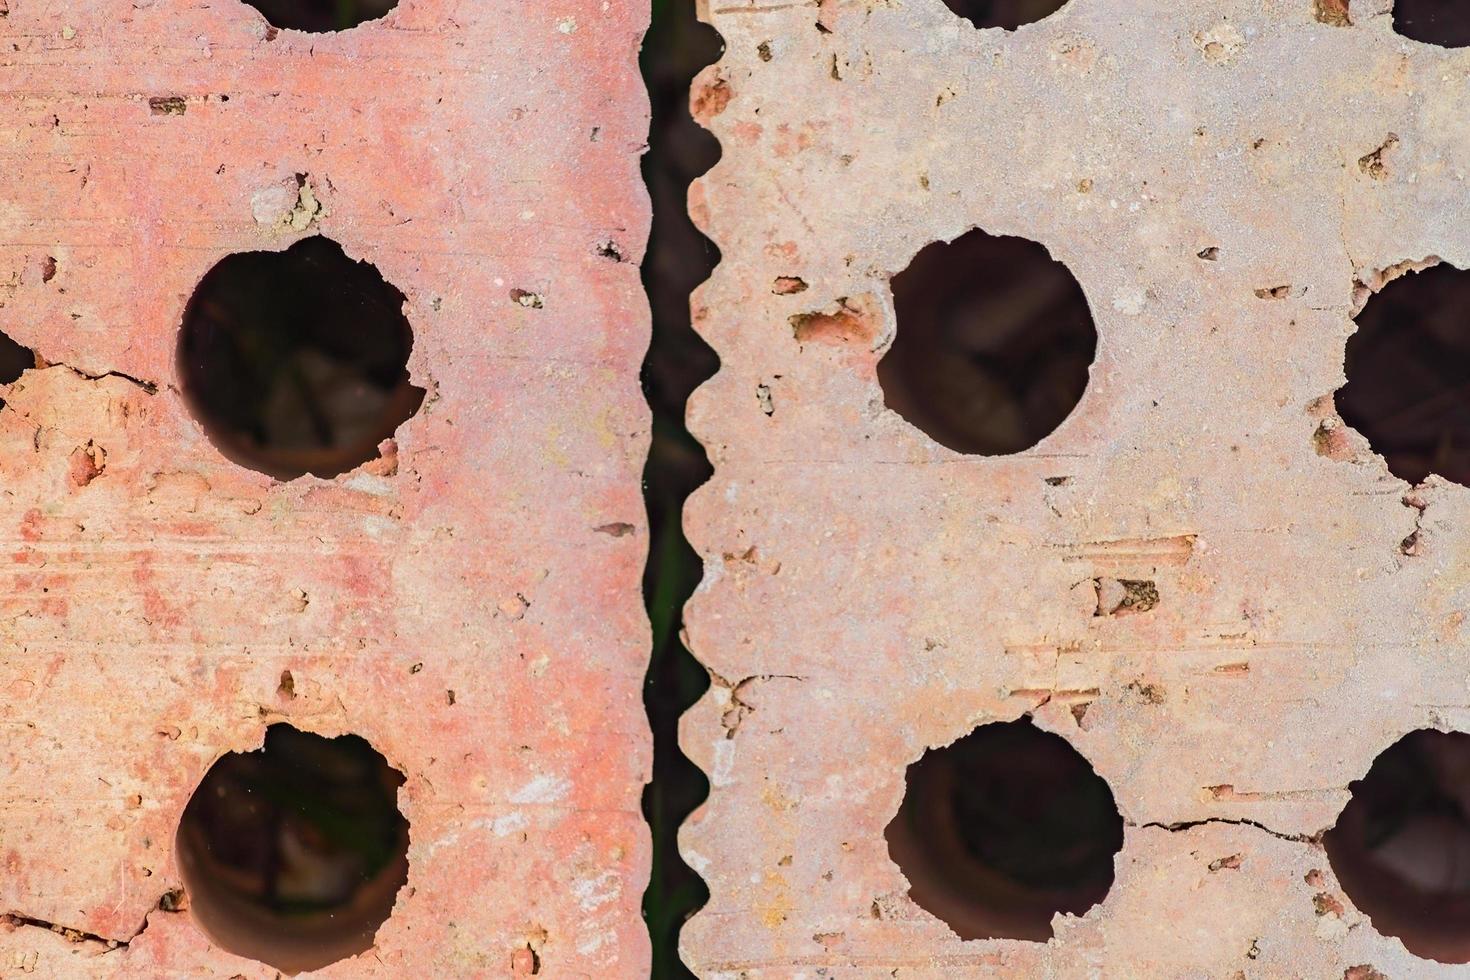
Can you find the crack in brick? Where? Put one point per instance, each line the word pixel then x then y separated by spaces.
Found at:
pixel 1314 840
pixel 169 901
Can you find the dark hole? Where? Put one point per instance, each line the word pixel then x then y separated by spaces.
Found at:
pixel 1009 14
pixel 1408 375
pixel 296 361
pixel 15 360
pixel 1442 22
pixel 994 344
pixel 294 854
pixel 319 16
pixel 1003 829
pixel 1401 848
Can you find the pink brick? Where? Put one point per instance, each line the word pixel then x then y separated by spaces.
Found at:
pixel 468 148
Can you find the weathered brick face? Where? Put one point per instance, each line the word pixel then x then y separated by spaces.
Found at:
pixel 1200 579
pixel 461 603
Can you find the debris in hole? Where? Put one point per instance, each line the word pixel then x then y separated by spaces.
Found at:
pixel 711 100
pixel 1373 164
pixel 173 900
pixel 449 698
pixel 524 962
pixel 763 50
pixel 48 268
pixel 848 321
pixel 1230 863
pixel 609 249
pixel 1148 693
pixel 617 529
pixel 1210 254
pixel 763 398
pixel 291 205
pixel 286 689
pixel 1274 292
pixel 1122 597
pixel 170 105
pixel 531 301
pixel 788 285
pixel 307 208
pixel 1330 439
pixel 1333 12
pixel 85 464
pixel 1363 972
pixel 1057 481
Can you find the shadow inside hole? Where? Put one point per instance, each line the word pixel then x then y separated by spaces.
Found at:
pixel 15 360
pixel 296 362
pixel 1401 848
pixel 994 344
pixel 320 16
pixel 293 855
pixel 1442 22
pixel 1009 14
pixel 1408 375
pixel 1003 829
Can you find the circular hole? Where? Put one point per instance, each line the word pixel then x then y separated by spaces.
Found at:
pixel 1442 22
pixel 1003 829
pixel 1401 848
pixel 1009 14
pixel 320 16
pixel 293 855
pixel 1408 372
pixel 995 341
pixel 296 362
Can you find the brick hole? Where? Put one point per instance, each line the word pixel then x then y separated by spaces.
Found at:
pixel 294 854
pixel 995 341
pixel 321 16
pixel 1009 14
pixel 1003 829
pixel 295 362
pixel 1442 22
pixel 1408 374
pixel 1401 847
pixel 15 360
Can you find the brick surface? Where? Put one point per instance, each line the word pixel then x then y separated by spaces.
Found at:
pixel 869 594
pixel 156 591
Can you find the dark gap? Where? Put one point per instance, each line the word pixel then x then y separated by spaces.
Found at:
pixel 679 258
pixel 1442 22
pixel 1003 829
pixel 320 16
pixel 15 360
pixel 294 854
pixel 1009 14
pixel 995 341
pixel 1408 375
pixel 1401 848
pixel 296 362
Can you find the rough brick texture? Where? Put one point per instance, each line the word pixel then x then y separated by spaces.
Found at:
pixel 156 591
pixel 869 594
